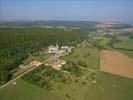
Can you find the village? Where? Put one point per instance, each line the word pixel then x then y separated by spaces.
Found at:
pixel 55 63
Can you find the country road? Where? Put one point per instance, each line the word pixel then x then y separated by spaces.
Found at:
pixel 33 67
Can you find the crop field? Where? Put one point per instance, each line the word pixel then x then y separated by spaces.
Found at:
pixel 116 63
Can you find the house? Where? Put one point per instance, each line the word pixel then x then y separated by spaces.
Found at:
pixel 53 49
pixel 56 64
pixel 107 32
pixel 66 48
pixel 24 66
pixel 61 52
pixel 35 63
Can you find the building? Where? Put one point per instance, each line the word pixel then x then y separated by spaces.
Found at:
pixel 66 48
pixel 53 49
pixel 107 32
pixel 24 66
pixel 61 52
pixel 56 64
pixel 35 63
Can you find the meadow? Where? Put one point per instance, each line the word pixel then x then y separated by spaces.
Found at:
pixel 25 91
pixel 87 54
pixel 123 42
pixel 110 87
pixel 107 87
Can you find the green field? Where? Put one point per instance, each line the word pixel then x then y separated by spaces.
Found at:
pixel 123 42
pixel 87 53
pixel 110 87
pixel 26 91
pixel 128 53
pixel 107 87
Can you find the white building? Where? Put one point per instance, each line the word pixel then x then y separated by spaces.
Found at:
pixel 53 49
pixel 66 48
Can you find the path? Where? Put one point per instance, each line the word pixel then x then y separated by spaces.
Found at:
pixel 33 67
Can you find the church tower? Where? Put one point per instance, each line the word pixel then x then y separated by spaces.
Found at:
pixel 57 47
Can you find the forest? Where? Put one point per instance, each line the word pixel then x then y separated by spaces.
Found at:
pixel 17 43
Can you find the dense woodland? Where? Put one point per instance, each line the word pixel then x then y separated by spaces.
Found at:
pixel 17 43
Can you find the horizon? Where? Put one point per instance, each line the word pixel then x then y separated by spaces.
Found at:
pixel 67 10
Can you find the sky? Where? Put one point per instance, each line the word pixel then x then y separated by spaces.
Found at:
pixel 86 10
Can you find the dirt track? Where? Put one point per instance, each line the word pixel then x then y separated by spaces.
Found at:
pixel 116 63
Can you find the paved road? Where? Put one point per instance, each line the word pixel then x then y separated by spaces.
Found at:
pixel 32 68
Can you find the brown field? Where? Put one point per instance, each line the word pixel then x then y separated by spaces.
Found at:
pixel 116 63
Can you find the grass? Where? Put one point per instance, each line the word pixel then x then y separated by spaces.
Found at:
pixel 125 45
pixel 26 91
pixel 128 53
pixel 86 53
pixel 107 87
pixel 124 42
pixel 110 87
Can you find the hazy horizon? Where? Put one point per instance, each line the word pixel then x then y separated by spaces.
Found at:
pixel 69 10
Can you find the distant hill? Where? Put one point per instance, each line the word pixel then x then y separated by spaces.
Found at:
pixel 88 25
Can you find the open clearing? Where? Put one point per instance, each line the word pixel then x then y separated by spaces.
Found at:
pixel 116 63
